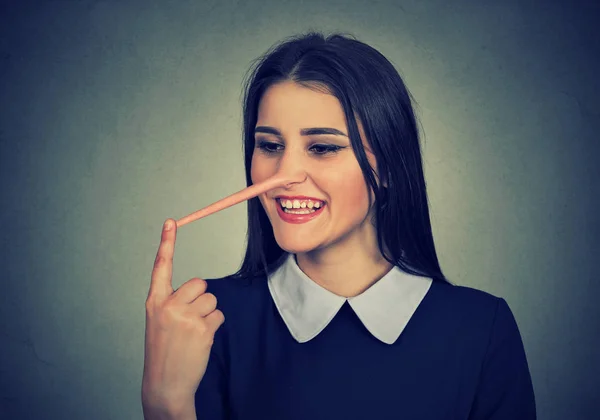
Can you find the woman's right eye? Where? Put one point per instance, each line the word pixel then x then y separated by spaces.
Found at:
pixel 271 148
pixel 268 147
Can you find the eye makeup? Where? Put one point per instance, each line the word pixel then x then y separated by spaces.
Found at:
pixel 268 148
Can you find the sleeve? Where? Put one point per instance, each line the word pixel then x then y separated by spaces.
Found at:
pixel 505 390
pixel 211 395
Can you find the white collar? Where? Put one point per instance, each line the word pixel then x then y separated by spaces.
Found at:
pixel 384 308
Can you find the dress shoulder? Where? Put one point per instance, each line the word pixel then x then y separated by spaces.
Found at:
pixel 505 389
pixel 463 303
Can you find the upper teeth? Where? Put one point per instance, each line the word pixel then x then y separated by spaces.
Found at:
pixel 300 204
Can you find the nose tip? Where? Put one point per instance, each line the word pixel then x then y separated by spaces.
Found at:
pixel 296 178
pixel 282 180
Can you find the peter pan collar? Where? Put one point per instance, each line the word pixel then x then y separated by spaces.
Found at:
pixel 384 308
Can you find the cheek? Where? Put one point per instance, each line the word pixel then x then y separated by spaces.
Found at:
pixel 357 193
pixel 351 190
pixel 259 171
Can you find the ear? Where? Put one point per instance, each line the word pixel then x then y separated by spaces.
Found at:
pixel 384 182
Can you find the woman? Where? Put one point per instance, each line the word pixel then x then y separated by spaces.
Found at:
pixel 342 311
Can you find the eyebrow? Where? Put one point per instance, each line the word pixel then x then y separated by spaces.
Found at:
pixel 314 131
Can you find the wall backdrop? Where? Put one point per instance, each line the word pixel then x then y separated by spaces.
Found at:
pixel 116 115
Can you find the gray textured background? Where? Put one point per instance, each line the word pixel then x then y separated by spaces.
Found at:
pixel 117 115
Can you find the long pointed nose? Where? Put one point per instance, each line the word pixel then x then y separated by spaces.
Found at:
pixel 277 181
pixel 296 178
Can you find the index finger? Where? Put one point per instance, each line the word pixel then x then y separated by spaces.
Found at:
pixel 161 284
pixel 245 194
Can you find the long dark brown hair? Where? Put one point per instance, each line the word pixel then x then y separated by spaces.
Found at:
pixel 368 87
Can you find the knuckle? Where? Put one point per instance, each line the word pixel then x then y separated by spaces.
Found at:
pixel 168 313
pixel 198 282
pixel 192 287
pixel 188 323
pixel 159 261
pixel 217 317
pixel 208 303
pixel 201 328
pixel 174 316
pixel 152 304
pixel 211 299
pixel 220 316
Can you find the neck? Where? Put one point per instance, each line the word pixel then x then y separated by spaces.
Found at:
pixel 346 270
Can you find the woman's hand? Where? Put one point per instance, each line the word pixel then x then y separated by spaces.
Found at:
pixel 180 328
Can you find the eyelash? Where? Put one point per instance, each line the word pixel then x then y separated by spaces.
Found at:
pixel 329 149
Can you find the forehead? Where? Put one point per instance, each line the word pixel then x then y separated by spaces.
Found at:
pixel 290 105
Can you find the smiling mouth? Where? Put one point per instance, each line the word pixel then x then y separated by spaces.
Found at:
pixel 298 211
pixel 291 205
pixel 299 215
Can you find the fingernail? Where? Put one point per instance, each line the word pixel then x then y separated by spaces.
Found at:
pixel 168 225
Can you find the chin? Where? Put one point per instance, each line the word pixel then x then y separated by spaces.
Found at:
pixel 296 245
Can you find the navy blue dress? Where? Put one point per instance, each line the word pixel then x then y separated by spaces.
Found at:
pixel 459 357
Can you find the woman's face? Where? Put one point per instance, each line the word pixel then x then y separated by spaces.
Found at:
pixel 287 111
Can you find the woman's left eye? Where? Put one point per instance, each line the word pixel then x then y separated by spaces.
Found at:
pixel 319 149
pixel 325 148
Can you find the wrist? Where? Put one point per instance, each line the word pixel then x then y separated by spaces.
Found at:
pixel 168 410
pixel 186 412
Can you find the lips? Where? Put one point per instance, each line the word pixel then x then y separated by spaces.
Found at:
pixel 298 218
pixel 297 197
